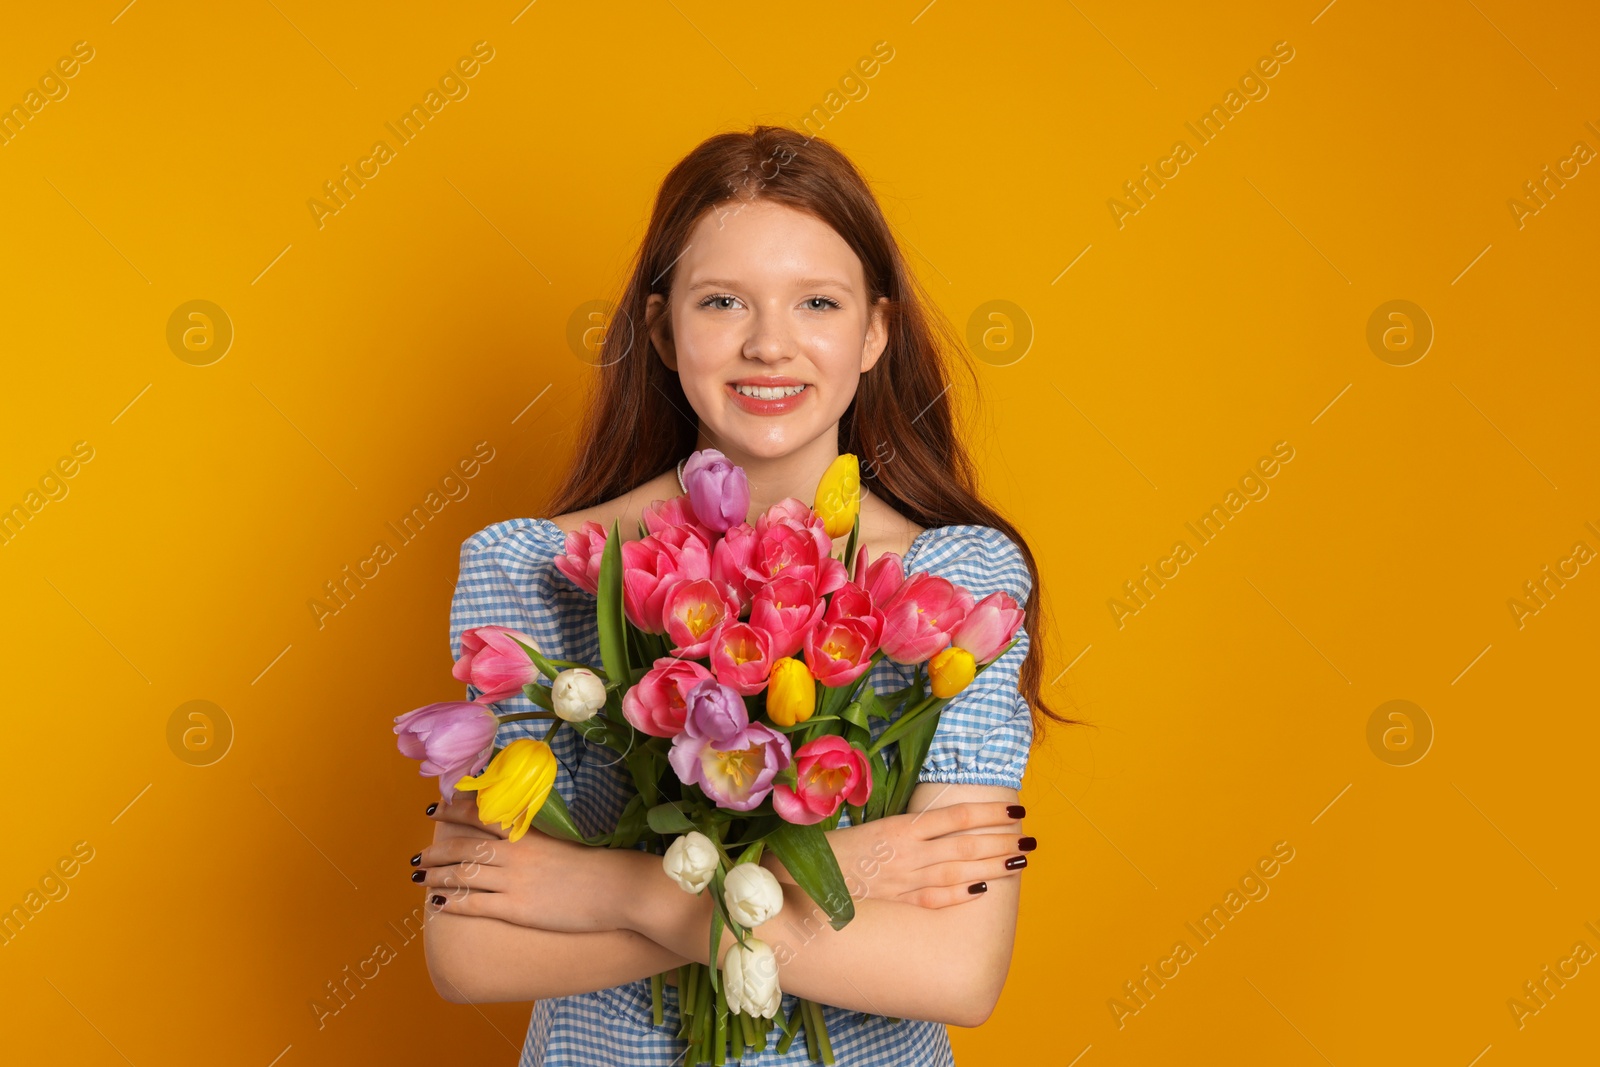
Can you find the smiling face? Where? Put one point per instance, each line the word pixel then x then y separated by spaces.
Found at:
pixel 770 329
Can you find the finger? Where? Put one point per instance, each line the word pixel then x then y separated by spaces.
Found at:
pixel 967 815
pixel 472 877
pixel 963 873
pixel 469 902
pixel 453 850
pixel 960 847
pixel 947 896
pixel 461 808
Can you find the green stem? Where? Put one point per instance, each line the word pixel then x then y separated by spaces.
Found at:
pixel 719 1035
pixel 822 1033
pixel 548 734
pixel 790 1027
pixel 519 716
pixel 900 726
pixel 655 999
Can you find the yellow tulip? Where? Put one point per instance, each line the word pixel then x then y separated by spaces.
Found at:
pixel 791 692
pixel 513 788
pixel 951 671
pixel 839 495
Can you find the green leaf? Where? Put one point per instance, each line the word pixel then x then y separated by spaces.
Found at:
pixel 809 858
pixel 631 824
pixel 642 765
pixel 669 818
pixel 608 613
pixel 802 725
pixel 716 933
pixel 546 668
pixel 871 705
pixel 880 791
pixel 538 694
pixel 854 713
pixel 554 819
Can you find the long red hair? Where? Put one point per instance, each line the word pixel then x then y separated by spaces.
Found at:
pixel 901 423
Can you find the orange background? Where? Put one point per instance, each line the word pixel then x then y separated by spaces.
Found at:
pixel 1228 314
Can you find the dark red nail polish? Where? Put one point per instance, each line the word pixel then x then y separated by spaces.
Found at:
pixel 1016 811
pixel 978 887
pixel 431 809
pixel 439 901
pixel 1024 844
pixel 1016 863
pixel 418 857
pixel 417 876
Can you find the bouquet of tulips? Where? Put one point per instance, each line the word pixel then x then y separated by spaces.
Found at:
pixel 733 683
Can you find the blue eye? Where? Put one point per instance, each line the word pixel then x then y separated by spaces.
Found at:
pixel 717 296
pixel 826 300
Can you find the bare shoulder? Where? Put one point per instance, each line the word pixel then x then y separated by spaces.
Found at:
pixel 623 510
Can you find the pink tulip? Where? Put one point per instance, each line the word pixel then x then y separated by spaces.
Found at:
pixel 741 658
pixel 692 612
pixel 736 773
pixel 919 618
pixel 851 601
pixel 453 740
pixel 837 652
pixel 988 627
pixel 829 771
pixel 652 565
pixel 882 579
pixel 785 609
pixel 665 514
pixel 493 662
pixel 731 559
pixel 658 703
pixel 718 490
pixel 585 545
pixel 802 552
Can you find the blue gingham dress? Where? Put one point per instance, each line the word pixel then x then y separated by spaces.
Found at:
pixel 983 737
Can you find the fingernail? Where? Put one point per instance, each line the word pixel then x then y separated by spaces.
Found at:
pixel 439 901
pixel 978 887
pixel 431 809
pixel 418 857
pixel 1016 863
pixel 1024 844
pixel 1016 811
pixel 417 876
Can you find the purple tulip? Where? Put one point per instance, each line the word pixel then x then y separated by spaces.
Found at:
pixel 453 740
pixel 718 490
pixel 736 774
pixel 714 711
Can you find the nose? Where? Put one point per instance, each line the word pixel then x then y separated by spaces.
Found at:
pixel 771 340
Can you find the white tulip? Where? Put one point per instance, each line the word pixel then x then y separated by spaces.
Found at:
pixel 750 978
pixel 577 694
pixel 752 894
pixel 690 861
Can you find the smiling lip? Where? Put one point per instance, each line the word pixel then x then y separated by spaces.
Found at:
pixel 757 406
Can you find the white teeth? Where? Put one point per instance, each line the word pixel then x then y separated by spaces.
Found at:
pixel 763 392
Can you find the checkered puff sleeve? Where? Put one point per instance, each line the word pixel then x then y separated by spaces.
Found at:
pixel 985 732
pixel 507 579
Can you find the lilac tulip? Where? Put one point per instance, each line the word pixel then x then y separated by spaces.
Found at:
pixel 718 490
pixel 453 740
pixel 737 773
pixel 714 711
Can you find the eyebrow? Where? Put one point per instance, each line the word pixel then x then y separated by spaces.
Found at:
pixel 724 283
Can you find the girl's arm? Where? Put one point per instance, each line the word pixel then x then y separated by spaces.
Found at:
pixel 894 959
pixel 478 960
pixel 475 959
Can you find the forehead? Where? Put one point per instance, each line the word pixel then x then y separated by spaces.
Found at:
pixel 764 244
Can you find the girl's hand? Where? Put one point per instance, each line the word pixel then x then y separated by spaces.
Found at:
pixel 926 858
pixel 538 881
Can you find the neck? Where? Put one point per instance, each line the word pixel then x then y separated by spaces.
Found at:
pixel 777 478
